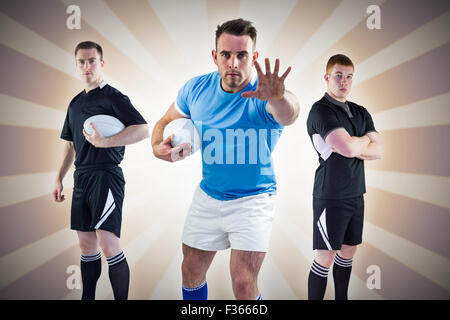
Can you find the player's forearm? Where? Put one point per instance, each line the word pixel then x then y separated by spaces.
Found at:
pixel 68 157
pixel 285 110
pixel 373 151
pixel 351 148
pixel 158 131
pixel 129 135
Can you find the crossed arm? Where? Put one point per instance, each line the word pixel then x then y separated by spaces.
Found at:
pixel 367 147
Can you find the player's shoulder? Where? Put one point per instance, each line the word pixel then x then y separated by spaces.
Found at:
pixel 322 101
pixel 76 99
pixel 202 82
pixel 109 90
pixel 321 110
pixel 114 94
pixel 358 107
pixel 321 105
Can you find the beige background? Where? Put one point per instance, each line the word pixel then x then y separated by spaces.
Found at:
pixel 151 48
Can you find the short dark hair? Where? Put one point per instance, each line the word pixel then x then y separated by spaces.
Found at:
pixel 90 45
pixel 339 59
pixel 237 27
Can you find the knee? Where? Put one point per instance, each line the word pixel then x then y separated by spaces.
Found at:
pixel 186 270
pixel 243 287
pixel 109 248
pixel 326 258
pixel 191 274
pixel 347 252
pixel 189 271
pixel 88 246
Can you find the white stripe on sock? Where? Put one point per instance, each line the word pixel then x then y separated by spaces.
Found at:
pixel 115 259
pixel 319 270
pixel 195 288
pixel 92 257
pixel 342 262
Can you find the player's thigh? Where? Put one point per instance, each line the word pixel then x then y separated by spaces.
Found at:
pixel 88 242
pixel 245 264
pixel 330 223
pixel 325 257
pixel 248 222
pixel 203 227
pixel 353 235
pixel 196 259
pixel 347 252
pixel 105 201
pixel 109 242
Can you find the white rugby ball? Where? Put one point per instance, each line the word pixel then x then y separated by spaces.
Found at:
pixel 105 124
pixel 184 131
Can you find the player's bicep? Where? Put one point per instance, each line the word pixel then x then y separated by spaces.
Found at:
pixel 173 113
pixel 339 140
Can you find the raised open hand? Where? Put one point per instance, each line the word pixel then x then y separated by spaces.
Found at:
pixel 270 85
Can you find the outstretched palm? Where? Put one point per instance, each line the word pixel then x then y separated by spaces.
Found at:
pixel 270 85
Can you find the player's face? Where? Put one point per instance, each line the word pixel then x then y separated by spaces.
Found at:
pixel 234 59
pixel 89 65
pixel 339 82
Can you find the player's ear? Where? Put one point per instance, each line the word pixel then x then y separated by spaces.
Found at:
pixel 326 77
pixel 255 56
pixel 214 56
pixel 102 63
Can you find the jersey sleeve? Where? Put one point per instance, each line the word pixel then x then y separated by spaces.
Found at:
pixel 184 98
pixel 66 132
pixel 370 127
pixel 323 120
pixel 125 111
pixel 265 115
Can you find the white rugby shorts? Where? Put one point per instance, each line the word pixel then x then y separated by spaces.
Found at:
pixel 242 224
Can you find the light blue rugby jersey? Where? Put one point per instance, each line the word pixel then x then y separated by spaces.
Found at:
pixel 232 168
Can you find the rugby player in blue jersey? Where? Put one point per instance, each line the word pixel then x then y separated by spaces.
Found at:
pixel 241 116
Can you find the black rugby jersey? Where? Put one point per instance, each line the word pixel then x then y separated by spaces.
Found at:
pixel 102 100
pixel 337 177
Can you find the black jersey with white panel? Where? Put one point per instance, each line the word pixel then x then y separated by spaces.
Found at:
pixel 102 100
pixel 337 177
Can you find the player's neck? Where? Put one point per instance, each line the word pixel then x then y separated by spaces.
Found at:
pixel 234 89
pixel 343 100
pixel 91 86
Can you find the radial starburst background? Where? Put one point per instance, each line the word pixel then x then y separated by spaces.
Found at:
pixel 150 49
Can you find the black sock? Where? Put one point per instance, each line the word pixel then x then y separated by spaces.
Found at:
pixel 341 273
pixel 91 268
pixel 317 281
pixel 119 275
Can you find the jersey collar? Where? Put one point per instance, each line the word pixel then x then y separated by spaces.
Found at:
pixel 343 105
pixel 100 86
